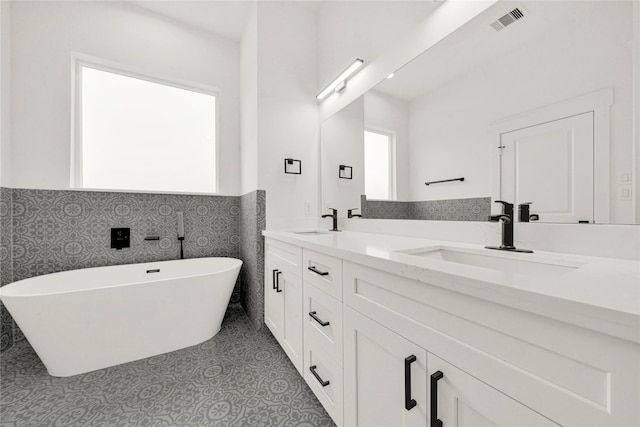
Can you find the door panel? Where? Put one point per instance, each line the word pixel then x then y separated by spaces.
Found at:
pixel 465 401
pixel 374 376
pixel 274 302
pixel 551 166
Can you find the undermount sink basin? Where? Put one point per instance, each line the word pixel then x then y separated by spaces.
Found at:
pixel 311 232
pixel 497 260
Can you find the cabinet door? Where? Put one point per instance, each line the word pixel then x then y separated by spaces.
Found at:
pixel 291 339
pixel 273 301
pixel 383 374
pixel 465 401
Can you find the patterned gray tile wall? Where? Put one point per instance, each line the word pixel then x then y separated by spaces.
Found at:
pixel 383 209
pixel 6 272
pixel 252 222
pixel 66 230
pixel 472 209
pixel 57 230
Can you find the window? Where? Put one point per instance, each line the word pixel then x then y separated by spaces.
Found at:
pixel 378 166
pixel 138 134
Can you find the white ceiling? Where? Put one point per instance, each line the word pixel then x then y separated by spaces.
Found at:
pixel 477 43
pixel 226 18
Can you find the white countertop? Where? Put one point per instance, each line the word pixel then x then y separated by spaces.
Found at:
pixel 602 294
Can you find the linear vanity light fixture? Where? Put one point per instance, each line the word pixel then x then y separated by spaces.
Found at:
pixel 340 82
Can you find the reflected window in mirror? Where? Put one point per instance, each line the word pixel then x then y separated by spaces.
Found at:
pixel 379 170
pixel 142 134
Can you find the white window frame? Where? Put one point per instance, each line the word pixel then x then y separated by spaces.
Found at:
pixel 393 193
pixel 78 61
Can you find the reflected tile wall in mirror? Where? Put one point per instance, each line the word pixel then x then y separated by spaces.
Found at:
pixel 472 209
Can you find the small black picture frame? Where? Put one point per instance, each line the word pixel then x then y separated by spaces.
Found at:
pixel 293 166
pixel 345 172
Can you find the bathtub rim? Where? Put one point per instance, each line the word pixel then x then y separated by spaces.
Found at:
pixel 11 290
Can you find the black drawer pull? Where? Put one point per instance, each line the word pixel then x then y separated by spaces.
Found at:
pixel 322 382
pixel 409 403
pixel 155 270
pixel 435 377
pixel 275 279
pixel 317 319
pixel 278 281
pixel 315 270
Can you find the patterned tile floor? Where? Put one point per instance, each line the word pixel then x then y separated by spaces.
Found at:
pixel 240 377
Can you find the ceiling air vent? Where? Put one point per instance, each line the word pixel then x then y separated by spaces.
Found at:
pixel 507 19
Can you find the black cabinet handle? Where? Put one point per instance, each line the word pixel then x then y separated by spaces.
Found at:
pixel 435 377
pixel 317 319
pixel 315 270
pixel 278 281
pixel 322 382
pixel 275 279
pixel 409 403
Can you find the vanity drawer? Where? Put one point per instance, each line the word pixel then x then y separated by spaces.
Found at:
pixel 323 271
pixel 326 383
pixel 287 257
pixel 323 322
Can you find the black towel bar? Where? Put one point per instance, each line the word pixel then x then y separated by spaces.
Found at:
pixel 444 180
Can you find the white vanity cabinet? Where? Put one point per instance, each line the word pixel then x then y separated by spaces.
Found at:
pixel 386 384
pixel 283 297
pixel 501 366
pixel 323 329
pixel 379 348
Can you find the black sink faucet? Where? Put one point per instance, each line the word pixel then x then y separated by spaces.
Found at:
pixel 350 213
pixel 334 216
pixel 507 220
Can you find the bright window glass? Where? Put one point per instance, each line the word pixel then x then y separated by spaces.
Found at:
pixel 377 166
pixel 141 135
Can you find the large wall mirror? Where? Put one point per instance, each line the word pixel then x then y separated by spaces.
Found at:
pixel 539 110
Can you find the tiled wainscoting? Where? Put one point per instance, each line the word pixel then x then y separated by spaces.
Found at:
pixel 252 222
pixel 473 209
pixel 6 271
pixel 45 231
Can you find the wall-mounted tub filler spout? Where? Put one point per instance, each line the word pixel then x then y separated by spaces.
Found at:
pixel 181 233
pixel 507 220
pixel 334 216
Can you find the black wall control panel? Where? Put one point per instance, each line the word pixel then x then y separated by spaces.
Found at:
pixel 120 238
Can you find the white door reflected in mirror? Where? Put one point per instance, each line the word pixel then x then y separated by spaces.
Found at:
pixel 551 166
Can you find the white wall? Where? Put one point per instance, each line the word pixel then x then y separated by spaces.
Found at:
pixel 636 107
pixel 249 105
pixel 362 29
pixel 43 36
pixel 288 124
pixel 385 113
pixel 5 94
pixel 450 126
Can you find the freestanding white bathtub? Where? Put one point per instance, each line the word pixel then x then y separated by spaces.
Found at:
pixel 82 320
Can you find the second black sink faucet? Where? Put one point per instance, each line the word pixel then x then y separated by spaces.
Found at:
pixel 507 220
pixel 334 216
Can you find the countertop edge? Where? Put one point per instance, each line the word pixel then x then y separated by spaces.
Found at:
pixel 601 319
